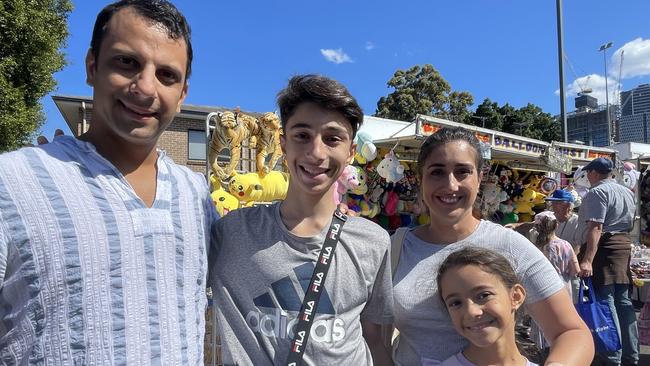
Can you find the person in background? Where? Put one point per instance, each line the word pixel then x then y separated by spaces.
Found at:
pixel 103 238
pixel 607 211
pixel 449 172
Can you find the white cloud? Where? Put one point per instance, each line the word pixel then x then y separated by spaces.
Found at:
pixel 636 60
pixel 370 46
pixel 594 82
pixel 336 56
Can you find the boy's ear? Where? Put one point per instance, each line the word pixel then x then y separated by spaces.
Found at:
pixel 353 150
pixel 283 142
pixel 517 296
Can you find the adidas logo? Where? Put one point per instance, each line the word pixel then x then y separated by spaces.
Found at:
pixel 276 321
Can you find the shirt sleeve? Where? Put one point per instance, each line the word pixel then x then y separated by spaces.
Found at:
pixel 379 308
pixel 537 274
pixel 4 253
pixel 595 206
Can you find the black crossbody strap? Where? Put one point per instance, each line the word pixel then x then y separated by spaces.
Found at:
pixel 310 303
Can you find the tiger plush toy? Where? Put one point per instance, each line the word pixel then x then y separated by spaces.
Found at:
pixel 230 131
pixel 268 142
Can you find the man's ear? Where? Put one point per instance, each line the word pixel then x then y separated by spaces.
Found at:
pixel 517 296
pixel 186 86
pixel 91 67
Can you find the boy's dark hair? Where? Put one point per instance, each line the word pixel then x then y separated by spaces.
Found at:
pixel 446 135
pixel 487 260
pixel 158 12
pixel 323 91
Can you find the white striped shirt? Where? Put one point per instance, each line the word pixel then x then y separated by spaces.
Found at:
pixel 91 276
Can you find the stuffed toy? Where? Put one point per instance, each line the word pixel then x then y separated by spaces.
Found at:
pixel 362 178
pixel 348 181
pixel 231 130
pixel 366 150
pixel 224 201
pixel 580 182
pixel 252 188
pixel 507 208
pixel 524 204
pixel 268 142
pixel 390 202
pixel 390 168
pixel 630 176
pixel 359 204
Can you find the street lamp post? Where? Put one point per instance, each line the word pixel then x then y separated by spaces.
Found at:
pixel 560 59
pixel 604 48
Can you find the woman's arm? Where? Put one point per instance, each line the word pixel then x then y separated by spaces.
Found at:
pixel 570 339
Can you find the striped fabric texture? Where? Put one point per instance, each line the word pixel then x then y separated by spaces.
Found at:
pixel 91 276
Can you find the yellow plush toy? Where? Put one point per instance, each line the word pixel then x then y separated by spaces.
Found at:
pixel 224 201
pixel 524 204
pixel 251 187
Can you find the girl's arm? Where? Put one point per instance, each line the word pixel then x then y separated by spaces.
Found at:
pixel 570 339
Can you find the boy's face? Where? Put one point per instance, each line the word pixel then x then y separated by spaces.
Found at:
pixel 138 79
pixel 317 144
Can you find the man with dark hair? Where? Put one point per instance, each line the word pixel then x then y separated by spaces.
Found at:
pixel 608 213
pixel 264 257
pixel 103 238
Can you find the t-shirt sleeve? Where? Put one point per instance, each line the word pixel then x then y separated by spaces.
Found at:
pixel 595 206
pixel 379 308
pixel 534 270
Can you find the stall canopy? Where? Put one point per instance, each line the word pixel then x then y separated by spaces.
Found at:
pixel 520 152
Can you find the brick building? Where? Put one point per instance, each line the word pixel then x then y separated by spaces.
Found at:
pixel 184 140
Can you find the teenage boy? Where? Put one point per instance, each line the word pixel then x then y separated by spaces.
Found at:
pixel 264 257
pixel 103 238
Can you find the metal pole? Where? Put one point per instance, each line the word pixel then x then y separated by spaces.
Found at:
pixel 560 56
pixel 609 123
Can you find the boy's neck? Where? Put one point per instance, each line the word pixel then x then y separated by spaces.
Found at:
pixel 306 215
pixel 501 353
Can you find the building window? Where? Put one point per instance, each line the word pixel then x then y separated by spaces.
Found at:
pixel 196 145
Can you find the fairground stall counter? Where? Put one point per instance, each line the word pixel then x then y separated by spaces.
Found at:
pixel 519 174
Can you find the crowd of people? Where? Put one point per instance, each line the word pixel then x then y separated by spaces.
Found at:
pixel 107 246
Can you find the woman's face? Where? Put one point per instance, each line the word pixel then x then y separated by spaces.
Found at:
pixel 450 183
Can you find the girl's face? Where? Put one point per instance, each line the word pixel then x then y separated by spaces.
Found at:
pixel 481 308
pixel 450 183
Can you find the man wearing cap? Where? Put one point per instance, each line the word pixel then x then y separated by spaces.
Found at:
pixel 562 206
pixel 608 212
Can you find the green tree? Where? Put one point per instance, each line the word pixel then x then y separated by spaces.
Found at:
pixel 422 90
pixel 528 121
pixel 31 34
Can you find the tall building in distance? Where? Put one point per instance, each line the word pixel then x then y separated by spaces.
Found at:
pixel 588 123
pixel 635 115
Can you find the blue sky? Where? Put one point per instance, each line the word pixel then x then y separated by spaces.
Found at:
pixel 245 51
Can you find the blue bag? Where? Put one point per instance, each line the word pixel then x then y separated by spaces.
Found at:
pixel 598 317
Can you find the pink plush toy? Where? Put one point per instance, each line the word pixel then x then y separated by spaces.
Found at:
pixel 347 181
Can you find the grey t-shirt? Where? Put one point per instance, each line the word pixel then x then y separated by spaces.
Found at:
pixel 259 272
pixel 611 204
pixel 426 331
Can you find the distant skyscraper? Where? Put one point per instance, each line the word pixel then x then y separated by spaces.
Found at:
pixel 588 123
pixel 635 115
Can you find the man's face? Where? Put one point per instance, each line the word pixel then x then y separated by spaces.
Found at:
pixel 138 79
pixel 318 145
pixel 594 177
pixel 562 210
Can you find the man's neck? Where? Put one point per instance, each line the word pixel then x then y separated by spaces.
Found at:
pixel 126 157
pixel 306 215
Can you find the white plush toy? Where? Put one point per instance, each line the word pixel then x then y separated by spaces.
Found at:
pixel 390 168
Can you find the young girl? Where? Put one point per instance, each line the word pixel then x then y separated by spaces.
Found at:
pixel 561 255
pixel 482 293
pixel 558 251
